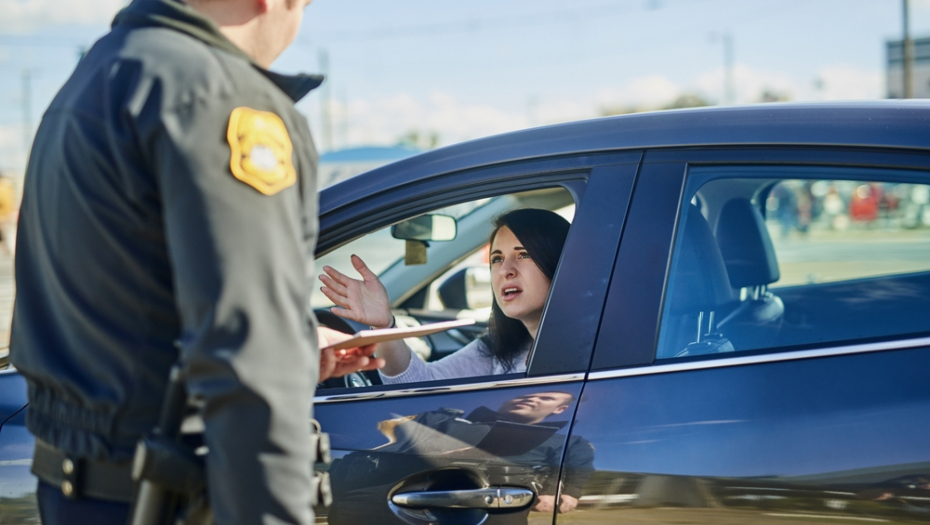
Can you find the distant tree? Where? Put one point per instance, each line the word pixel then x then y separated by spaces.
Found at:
pixel 610 111
pixel 685 100
pixel 688 100
pixel 419 139
pixel 770 95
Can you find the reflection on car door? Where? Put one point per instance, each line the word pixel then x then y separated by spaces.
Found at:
pixel 459 457
pixel 798 441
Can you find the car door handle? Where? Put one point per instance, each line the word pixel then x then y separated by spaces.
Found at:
pixel 489 498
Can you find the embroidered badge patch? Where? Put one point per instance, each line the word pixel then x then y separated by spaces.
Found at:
pixel 261 150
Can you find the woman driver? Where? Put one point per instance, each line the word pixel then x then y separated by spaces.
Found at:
pixel 525 249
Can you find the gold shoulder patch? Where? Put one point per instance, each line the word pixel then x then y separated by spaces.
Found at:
pixel 261 150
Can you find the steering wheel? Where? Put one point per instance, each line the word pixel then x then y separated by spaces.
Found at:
pixel 355 379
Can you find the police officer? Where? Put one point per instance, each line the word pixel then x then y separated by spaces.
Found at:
pixel 169 214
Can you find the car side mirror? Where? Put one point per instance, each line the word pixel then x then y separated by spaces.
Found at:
pixel 467 289
pixel 426 228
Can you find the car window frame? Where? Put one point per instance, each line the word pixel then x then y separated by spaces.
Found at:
pixel 578 174
pixel 634 305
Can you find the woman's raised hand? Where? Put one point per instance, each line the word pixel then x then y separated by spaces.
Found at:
pixel 364 301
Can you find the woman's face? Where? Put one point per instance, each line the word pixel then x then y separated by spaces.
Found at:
pixel 520 287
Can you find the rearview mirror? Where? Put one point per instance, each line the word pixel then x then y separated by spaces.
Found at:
pixel 425 228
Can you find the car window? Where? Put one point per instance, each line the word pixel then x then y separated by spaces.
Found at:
pixel 792 257
pixel 455 280
pixel 379 249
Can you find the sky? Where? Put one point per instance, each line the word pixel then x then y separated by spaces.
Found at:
pixel 463 70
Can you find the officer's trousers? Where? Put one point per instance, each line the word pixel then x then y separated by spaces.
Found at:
pixel 56 509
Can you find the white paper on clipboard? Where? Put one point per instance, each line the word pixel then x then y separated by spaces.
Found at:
pixel 367 337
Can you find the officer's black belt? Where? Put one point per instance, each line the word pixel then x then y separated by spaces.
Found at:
pixel 83 477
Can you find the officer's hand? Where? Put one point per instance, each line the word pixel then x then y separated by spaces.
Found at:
pixel 547 504
pixel 567 504
pixel 335 363
pixel 365 301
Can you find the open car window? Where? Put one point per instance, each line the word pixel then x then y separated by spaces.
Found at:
pixel 779 259
pixel 453 282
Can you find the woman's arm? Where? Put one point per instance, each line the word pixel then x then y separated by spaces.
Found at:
pixel 366 302
pixel 472 360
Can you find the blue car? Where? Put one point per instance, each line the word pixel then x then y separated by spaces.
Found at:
pixel 728 336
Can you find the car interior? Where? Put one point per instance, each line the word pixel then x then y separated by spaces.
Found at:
pixel 726 292
pixel 450 280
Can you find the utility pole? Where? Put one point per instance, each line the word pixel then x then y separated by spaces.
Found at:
pixel 908 53
pixel 325 103
pixel 729 89
pixel 27 113
pixel 343 118
pixel 532 105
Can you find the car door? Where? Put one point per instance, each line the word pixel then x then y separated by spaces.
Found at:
pixel 791 391
pixel 17 484
pixel 447 451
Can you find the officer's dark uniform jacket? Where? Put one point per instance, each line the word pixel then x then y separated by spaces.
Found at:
pixel 158 222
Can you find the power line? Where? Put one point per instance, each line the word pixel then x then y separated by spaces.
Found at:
pixel 485 23
pixel 661 39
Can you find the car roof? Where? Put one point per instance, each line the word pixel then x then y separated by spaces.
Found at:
pixel 885 124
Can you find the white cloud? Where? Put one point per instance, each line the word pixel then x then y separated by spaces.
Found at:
pixel 832 82
pixel 26 15
pixel 748 84
pixel 649 91
pixel 384 120
pixel 551 111
pixel 845 83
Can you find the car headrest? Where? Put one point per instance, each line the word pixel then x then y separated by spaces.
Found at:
pixel 746 245
pixel 452 292
pixel 700 277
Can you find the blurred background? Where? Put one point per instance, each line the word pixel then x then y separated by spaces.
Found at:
pixel 410 75
pixel 420 73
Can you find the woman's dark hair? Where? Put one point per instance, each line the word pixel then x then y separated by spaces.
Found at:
pixel 542 233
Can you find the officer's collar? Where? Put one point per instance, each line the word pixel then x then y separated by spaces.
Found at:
pixel 178 16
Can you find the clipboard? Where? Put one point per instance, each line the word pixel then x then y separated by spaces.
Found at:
pixel 368 337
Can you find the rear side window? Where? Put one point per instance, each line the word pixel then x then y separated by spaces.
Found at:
pixel 785 258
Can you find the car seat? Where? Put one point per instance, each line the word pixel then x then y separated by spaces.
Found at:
pixel 699 287
pixel 751 265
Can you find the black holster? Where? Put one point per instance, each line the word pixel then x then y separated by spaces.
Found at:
pixel 170 475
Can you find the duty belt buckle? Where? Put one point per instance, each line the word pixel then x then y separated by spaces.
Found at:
pixel 71 477
pixel 319 444
pixel 321 492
